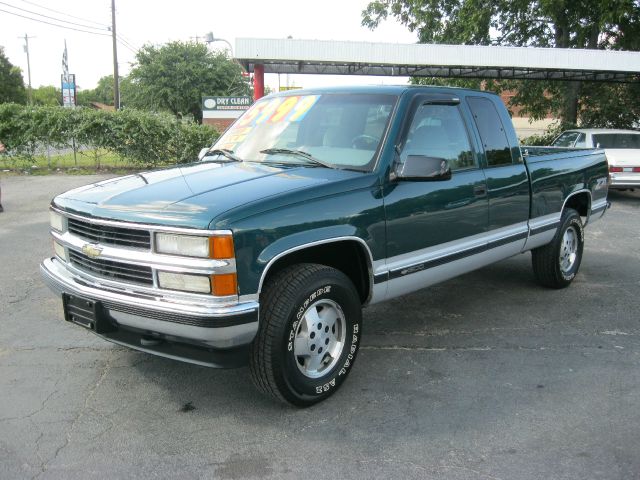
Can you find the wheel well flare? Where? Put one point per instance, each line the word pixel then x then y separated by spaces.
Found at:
pixel 348 256
pixel 580 202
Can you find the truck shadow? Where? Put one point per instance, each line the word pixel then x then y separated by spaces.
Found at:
pixel 423 321
pixel 437 366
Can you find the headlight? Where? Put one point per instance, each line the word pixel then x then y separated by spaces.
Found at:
pixel 57 221
pixel 184 282
pixel 218 247
pixel 185 245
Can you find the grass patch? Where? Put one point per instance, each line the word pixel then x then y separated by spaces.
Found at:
pixel 84 163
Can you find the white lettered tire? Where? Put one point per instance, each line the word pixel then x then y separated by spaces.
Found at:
pixel 309 335
pixel 555 265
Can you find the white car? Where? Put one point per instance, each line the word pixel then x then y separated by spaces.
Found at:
pixel 622 148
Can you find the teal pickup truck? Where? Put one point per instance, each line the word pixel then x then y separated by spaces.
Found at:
pixel 313 205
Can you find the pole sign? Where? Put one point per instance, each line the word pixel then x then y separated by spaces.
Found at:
pixel 68 89
pixel 226 103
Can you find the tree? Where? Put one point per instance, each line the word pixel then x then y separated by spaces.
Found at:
pixel 590 24
pixel 46 95
pixel 11 82
pixel 175 76
pixel 103 93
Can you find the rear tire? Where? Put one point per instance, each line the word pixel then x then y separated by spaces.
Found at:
pixel 556 264
pixel 309 334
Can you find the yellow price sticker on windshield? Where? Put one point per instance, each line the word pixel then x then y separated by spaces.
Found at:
pixel 302 107
pixel 283 109
pixel 251 114
pixel 279 109
pixel 268 110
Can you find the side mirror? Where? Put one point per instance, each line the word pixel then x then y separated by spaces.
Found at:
pixel 422 168
pixel 203 152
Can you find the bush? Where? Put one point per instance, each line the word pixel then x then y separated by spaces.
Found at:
pixel 545 139
pixel 141 137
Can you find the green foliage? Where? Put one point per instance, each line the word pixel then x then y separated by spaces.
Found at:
pixel 46 95
pixel 610 105
pixel 547 137
pixel 142 137
pixel 11 82
pixel 591 24
pixel 175 76
pixel 472 83
pixel 103 93
pixel 436 21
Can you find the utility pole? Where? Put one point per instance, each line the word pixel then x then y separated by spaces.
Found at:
pixel 26 49
pixel 116 78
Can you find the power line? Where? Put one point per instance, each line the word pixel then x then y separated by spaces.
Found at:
pixel 53 24
pixel 126 45
pixel 124 41
pixel 62 13
pixel 53 18
pixel 130 42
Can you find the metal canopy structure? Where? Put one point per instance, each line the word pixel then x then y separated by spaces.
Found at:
pixel 429 60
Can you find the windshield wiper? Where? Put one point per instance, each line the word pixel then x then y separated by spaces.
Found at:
pixel 299 153
pixel 225 152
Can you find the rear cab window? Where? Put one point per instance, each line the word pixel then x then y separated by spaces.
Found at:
pixel 492 133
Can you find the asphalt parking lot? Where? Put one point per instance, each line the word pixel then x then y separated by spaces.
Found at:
pixel 487 376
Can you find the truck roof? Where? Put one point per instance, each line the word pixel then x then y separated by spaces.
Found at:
pixel 377 89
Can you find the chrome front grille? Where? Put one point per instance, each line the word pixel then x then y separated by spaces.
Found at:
pixel 96 233
pixel 112 270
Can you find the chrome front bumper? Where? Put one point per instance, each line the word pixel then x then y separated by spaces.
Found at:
pixel 156 325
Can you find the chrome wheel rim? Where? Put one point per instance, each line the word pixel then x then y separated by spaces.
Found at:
pixel 320 338
pixel 569 249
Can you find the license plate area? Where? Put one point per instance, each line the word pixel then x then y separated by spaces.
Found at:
pixel 86 313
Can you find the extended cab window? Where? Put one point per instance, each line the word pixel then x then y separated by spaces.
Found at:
pixel 494 138
pixel 439 131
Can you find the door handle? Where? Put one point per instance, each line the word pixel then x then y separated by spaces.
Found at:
pixel 480 191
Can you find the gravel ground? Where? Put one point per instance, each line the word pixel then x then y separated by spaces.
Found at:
pixel 487 376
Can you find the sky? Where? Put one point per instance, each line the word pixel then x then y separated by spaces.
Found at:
pixel 147 21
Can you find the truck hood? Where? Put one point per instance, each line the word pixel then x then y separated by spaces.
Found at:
pixel 623 157
pixel 192 195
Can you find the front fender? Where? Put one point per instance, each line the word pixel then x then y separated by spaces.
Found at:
pixel 260 240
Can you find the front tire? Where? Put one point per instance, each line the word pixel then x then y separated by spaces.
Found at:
pixel 309 335
pixel 556 264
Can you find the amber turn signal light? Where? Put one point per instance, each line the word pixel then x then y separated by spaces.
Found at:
pixel 221 247
pixel 224 284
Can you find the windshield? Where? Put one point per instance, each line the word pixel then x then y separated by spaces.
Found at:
pixel 567 139
pixel 330 130
pixel 617 140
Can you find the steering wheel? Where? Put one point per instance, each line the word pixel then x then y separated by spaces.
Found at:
pixel 364 142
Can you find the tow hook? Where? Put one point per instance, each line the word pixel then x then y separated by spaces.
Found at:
pixel 148 341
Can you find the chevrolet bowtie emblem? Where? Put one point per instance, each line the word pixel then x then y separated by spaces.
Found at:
pixel 91 251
